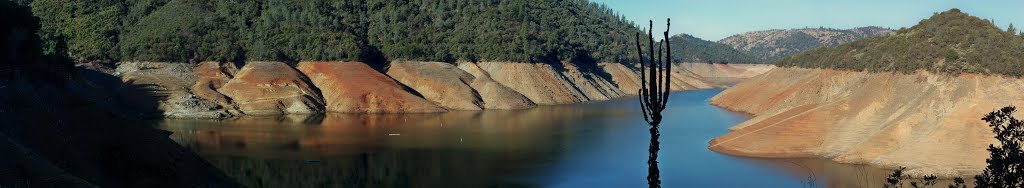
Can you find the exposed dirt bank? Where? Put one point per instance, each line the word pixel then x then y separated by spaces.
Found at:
pixel 353 87
pixel 222 90
pixel 268 88
pixel 929 123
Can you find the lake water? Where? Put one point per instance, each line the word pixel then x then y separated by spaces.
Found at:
pixel 598 144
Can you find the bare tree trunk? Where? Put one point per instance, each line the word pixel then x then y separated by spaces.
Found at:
pixel 654 95
pixel 653 173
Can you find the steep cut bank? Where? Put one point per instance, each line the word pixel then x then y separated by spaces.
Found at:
pixel 927 122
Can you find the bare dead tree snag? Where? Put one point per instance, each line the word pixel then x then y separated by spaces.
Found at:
pixel 654 94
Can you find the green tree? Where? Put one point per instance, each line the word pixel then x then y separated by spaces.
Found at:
pixel 90 26
pixel 1006 161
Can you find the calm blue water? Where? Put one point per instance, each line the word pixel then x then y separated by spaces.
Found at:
pixel 599 144
pixel 617 154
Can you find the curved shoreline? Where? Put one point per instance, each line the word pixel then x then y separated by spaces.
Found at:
pixel 929 123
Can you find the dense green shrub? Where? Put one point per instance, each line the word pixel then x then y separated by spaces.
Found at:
pixel 1006 160
pixel 948 42
pixel 90 26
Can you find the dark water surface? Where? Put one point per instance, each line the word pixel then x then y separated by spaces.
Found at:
pixel 599 144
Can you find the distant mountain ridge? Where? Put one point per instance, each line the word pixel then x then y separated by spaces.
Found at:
pixel 772 44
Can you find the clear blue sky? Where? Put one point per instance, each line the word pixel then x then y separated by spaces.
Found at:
pixel 717 19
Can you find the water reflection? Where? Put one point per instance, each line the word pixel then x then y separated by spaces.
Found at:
pixel 602 144
pixel 385 150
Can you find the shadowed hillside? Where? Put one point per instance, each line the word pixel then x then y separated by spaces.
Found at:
pixel 60 130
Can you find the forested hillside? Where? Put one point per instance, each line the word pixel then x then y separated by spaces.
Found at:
pixel 293 30
pixel 352 30
pixel 686 48
pixel 948 42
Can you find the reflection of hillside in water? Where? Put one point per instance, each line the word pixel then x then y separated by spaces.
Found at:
pixel 385 150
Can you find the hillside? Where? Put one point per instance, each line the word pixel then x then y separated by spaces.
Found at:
pixel 948 42
pixel 365 30
pixel 362 30
pixel 687 48
pixel 769 45
pixel 887 101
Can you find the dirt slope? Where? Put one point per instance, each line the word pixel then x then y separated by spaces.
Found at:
pixel 929 123
pixel 264 88
pixel 353 87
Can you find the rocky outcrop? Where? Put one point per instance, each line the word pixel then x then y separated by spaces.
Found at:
pixel 266 88
pixel 211 76
pixel 927 122
pixel 168 85
pixel 353 87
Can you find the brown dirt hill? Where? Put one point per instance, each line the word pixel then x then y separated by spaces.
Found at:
pixel 209 77
pixel 267 88
pixel 353 87
pixel 438 82
pixel 929 123
pixel 495 95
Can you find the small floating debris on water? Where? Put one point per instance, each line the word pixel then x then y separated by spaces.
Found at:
pixel 460 139
pixel 313 161
pixel 394 134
